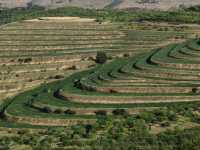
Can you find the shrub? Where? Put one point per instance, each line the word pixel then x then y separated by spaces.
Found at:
pixel 147 116
pixel 120 112
pixel 56 93
pixel 30 102
pixel 113 91
pixel 20 60
pixel 47 110
pixel 126 55
pixel 35 95
pixel 160 115
pixel 172 116
pixel 101 113
pixel 99 20
pixel 22 131
pixel 58 77
pixel 74 67
pixel 69 112
pixel 195 118
pixel 58 111
pixel 101 57
pixel 27 60
pixel 77 83
pixel 88 129
pixel 165 124
pixel 195 90
pixel 46 90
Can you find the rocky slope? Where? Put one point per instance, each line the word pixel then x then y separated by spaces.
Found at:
pixel 56 3
pixel 120 4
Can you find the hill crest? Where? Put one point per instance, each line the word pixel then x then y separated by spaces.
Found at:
pixel 119 4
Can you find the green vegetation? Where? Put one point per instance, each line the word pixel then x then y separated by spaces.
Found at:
pixel 146 101
pixel 114 111
pixel 113 91
pixel 101 57
pixel 108 133
pixel 190 15
pixel 38 45
pixel 126 83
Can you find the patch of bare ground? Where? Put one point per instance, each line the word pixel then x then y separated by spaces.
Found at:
pixel 62 19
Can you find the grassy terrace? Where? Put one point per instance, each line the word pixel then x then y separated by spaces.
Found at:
pixel 77 98
pixel 35 51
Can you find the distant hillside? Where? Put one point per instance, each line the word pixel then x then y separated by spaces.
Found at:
pixel 56 3
pixel 156 4
pixel 119 4
pixel 77 3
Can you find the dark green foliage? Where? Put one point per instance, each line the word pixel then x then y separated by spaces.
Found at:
pixel 101 57
pixel 195 8
pixel 30 102
pixel 25 60
pixel 178 16
pixel 158 115
pixel 165 124
pixel 195 118
pixel 101 113
pixel 118 134
pixel 147 116
pixel 79 131
pixel 47 110
pixel 172 116
pixel 56 93
pixel 69 112
pixel 46 90
pixel 58 111
pixel 58 77
pixel 120 112
pixel 195 90
pixel 11 15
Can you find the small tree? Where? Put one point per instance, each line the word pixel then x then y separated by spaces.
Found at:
pixel 120 112
pixel 30 102
pixel 101 57
pixel 47 110
pixel 58 76
pixel 172 116
pixel 69 112
pixel 165 124
pixel 58 111
pixel 101 113
pixel 195 90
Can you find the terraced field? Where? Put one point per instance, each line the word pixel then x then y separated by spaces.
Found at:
pixel 46 49
pixel 38 50
pixel 157 78
pixel 151 78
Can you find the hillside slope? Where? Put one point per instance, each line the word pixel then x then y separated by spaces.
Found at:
pixel 121 4
pixel 55 3
pixel 77 3
pixel 156 4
